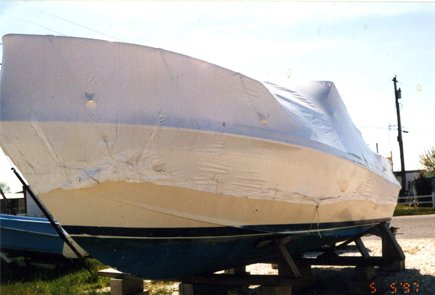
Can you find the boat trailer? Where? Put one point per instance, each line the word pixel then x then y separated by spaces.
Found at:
pixel 294 273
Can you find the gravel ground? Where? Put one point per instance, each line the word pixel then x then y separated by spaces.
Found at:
pixel 418 278
pixel 416 236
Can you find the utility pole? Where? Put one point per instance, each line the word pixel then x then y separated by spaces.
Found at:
pixel 398 95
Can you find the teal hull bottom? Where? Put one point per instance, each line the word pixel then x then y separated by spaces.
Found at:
pixel 177 253
pixel 29 235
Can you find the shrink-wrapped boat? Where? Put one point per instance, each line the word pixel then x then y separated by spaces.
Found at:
pixel 166 166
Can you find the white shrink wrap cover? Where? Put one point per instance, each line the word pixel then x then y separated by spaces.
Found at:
pixel 78 112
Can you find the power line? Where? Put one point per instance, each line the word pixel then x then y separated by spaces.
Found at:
pixel 33 23
pixel 62 19
pixel 79 25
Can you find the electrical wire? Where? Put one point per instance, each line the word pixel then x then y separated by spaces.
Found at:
pixel 62 19
pixel 78 25
pixel 33 23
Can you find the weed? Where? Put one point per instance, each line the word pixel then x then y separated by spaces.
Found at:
pixel 70 279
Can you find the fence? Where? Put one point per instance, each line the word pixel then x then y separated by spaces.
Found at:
pixel 418 200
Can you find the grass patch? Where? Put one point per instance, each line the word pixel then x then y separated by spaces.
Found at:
pixel 73 279
pixel 402 210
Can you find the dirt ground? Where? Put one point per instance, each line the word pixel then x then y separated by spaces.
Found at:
pixel 415 235
pixel 418 278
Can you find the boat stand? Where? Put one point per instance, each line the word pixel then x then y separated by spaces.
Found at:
pixel 295 274
pixel 291 275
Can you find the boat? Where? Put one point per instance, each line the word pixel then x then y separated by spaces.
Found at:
pixel 26 232
pixel 31 237
pixel 166 166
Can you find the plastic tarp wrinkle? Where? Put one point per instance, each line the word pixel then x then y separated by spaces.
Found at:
pixel 91 111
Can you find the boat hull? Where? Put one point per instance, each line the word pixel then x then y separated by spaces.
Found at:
pixel 187 178
pixel 31 235
pixel 174 254
pixel 188 238
pixel 193 181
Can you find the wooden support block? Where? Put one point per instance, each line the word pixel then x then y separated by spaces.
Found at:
pixel 122 283
pixel 127 286
pixel 286 261
pixel 362 248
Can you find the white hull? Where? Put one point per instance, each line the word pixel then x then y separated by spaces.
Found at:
pixel 187 178
pixel 142 131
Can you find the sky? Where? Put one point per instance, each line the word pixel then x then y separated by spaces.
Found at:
pixel 360 46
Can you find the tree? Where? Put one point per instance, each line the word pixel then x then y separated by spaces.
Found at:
pixel 5 187
pixel 424 183
pixel 427 159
